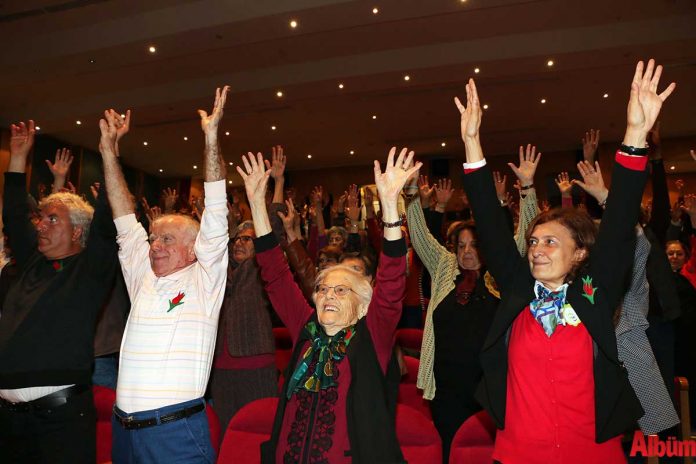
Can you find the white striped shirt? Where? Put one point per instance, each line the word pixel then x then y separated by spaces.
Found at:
pixel 166 355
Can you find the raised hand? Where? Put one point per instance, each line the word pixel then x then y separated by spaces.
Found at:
pixel 277 167
pixel 676 212
pixel 109 127
pixel 210 122
pixel 425 191
pixel 392 180
pixel 471 113
pixel 94 188
pixel 443 192
pixel 289 218
pixel 689 207
pixel 369 203
pixel 500 185
pixel 123 126
pixel 352 209
pixel 22 138
pixel 61 164
pixel 317 196
pixel 590 142
pixel 592 181
pixel 169 198
pixel 255 178
pixel 529 160
pixel 564 184
pixel 645 103
pixel 153 214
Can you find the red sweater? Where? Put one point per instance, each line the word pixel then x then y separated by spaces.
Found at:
pixel 549 416
pixel 323 415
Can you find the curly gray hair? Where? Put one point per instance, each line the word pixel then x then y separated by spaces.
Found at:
pixel 79 210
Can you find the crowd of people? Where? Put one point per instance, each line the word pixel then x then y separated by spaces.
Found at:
pixel 566 325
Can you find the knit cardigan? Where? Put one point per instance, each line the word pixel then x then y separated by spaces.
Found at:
pixel 443 268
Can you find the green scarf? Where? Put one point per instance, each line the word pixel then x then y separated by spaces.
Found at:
pixel 326 351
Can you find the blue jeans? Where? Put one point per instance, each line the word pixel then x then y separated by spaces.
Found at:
pixel 105 371
pixel 183 441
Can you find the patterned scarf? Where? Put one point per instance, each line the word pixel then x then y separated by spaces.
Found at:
pixel 546 307
pixel 465 285
pixel 326 351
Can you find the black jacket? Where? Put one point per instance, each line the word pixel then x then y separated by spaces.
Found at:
pixel 616 405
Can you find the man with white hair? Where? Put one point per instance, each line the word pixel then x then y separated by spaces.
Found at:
pixel 66 264
pixel 176 284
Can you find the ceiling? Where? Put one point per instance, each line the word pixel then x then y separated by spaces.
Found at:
pixel 64 61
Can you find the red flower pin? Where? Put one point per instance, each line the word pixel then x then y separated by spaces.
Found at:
pixel 176 301
pixel 588 289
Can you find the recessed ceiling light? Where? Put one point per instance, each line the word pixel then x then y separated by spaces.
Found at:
pixel 352 152
pixel 485 107
pixel 375 10
pixel 161 170
pixel 145 143
pixel 123 115
pixel 78 122
pixel 549 63
pixel 231 163
pixel 606 95
pixel 477 70
pixel 273 127
pixel 279 93
pixel 195 167
pixel 152 49
pixel 543 100
pixel 293 24
pixel 444 144
pixel 185 138
pixel 374 116
pixel 37 128
pixel 92 61
pixel 340 86
pixel 227 132
pixel 407 77
pixel 229 181
pixel 672 167
pixel 309 156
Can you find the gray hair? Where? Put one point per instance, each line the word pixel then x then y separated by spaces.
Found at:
pixel 359 283
pixel 243 226
pixel 190 227
pixel 79 211
pixel 338 230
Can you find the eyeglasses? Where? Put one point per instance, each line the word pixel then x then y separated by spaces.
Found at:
pixel 243 238
pixel 339 290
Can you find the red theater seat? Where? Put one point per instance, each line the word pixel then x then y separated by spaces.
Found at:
pixel 410 339
pixel 251 426
pixel 419 441
pixel 104 400
pixel 409 394
pixel 473 442
pixel 214 426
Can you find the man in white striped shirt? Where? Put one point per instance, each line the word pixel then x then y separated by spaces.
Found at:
pixel 176 284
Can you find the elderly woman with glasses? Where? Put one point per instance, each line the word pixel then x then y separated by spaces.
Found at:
pixel 338 400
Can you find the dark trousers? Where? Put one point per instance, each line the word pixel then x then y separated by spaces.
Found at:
pixel 662 339
pixel 66 434
pixel 449 413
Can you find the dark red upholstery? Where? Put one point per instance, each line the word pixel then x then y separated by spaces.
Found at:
pixel 419 440
pixel 409 394
pixel 473 442
pixel 104 400
pixel 251 426
pixel 410 339
pixel 214 426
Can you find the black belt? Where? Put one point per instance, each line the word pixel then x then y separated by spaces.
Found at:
pixel 130 423
pixel 51 401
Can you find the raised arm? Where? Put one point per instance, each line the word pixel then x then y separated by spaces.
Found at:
pixel 215 168
pixel 277 168
pixel 19 229
pixel 497 244
pixel 59 168
pixel 389 186
pixel 113 127
pixel 612 253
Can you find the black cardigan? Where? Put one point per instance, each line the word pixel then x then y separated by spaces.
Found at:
pixel 616 406
pixel 370 405
pixel 48 321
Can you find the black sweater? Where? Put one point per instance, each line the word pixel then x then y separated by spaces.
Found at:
pixel 48 320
